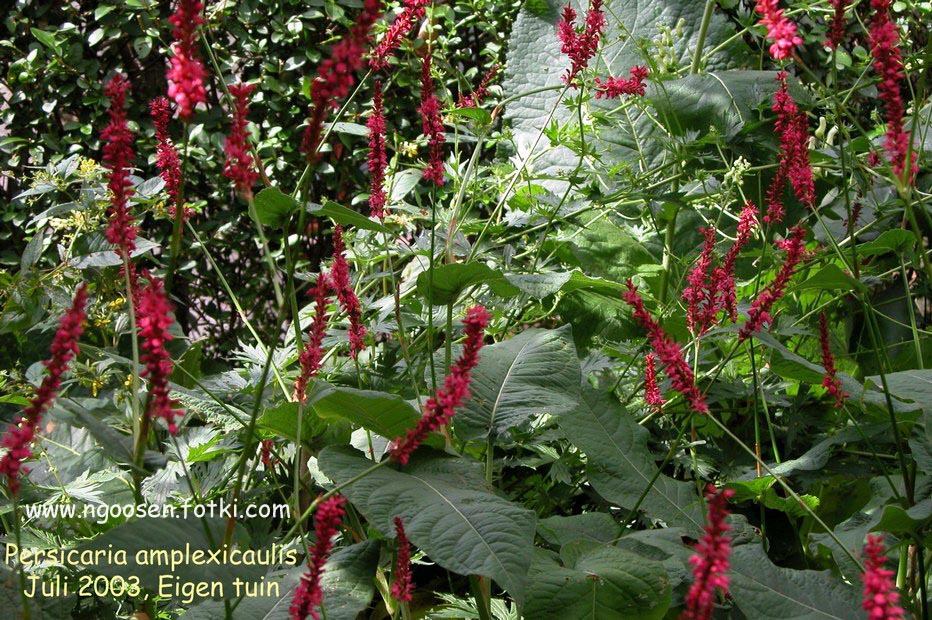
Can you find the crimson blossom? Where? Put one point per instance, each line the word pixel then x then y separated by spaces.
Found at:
pixel 153 317
pixel 710 562
pixel 580 47
pixel 308 595
pixel 615 87
pixel 340 282
pixel 700 292
pixel 831 382
pixel 441 407
pixel 19 436
pixel 724 275
pixel 313 353
pixel 240 166
pixel 780 29
pixel 793 129
pixel 651 390
pixel 186 73
pixel 431 124
pixel 378 158
pixel 402 585
pixel 881 600
pixel 166 159
pixel 412 12
pixel 836 29
pixel 118 155
pixel 475 98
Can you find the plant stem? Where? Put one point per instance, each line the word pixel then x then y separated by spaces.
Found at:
pixel 703 31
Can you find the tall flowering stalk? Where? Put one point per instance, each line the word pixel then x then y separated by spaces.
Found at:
pixel 378 157
pixel 700 292
pixel 829 381
pixel 118 155
pixel 441 407
pixel 431 123
pixel 724 275
pixel 793 130
pixel 313 352
pixel 780 29
pixel 668 352
pixel 888 62
pixel 336 74
pixel 651 390
pixel 615 87
pixel 759 315
pixel 836 29
pixel 166 159
pixel 412 12
pixel 474 99
pixel 308 595
pixel 153 317
pixel 710 562
pixel 240 167
pixel 881 600
pixel 402 586
pixel 580 47
pixel 19 436
pixel 340 281
pixel 186 73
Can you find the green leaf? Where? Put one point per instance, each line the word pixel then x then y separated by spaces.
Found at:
pixel 540 285
pixel 273 207
pixel 109 258
pixel 389 415
pixel 593 526
pixel 346 217
pixel 349 128
pixel 449 281
pixel 446 513
pixel 483 117
pixel 602 583
pixel 767 592
pixel 910 386
pixel 47 39
pixel 831 277
pixel 534 373
pixel 895 240
pixel 620 465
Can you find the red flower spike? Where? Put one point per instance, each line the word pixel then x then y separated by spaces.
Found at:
pixel 308 595
pixel 616 87
pixel 836 29
pixel 724 276
pixel 881 600
pixel 793 130
pixel 240 166
pixel 153 317
pixel 668 352
pixel 313 352
pixel 780 29
pixel 340 281
pixel 651 390
pixel 888 62
pixel 336 75
pixel 474 99
pixel 265 453
pixel 166 159
pixel 710 562
pixel 580 46
pixel 378 158
pixel 19 436
pixel 118 155
pixel 700 291
pixel 402 586
pixel 432 125
pixel 440 408
pixel 412 12
pixel 759 315
pixel 186 74
pixel 830 381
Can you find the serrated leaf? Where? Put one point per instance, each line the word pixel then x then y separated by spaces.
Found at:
pixel 764 591
pixel 621 466
pixel 534 373
pixel 443 284
pixel 446 513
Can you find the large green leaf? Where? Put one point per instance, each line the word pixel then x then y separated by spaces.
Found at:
pixel 764 591
pixel 620 465
pixel 534 373
pixel 598 583
pixel 447 513
pixel 444 284
pixel 274 206
pixel 389 415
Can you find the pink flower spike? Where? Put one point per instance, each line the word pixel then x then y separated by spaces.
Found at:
pixel 616 87
pixel 240 166
pixel 340 281
pixel 724 276
pixel 830 381
pixel 153 317
pixel 701 308
pixel 780 29
pixel 308 595
pixel 432 125
pixel 186 74
pixel 313 353
pixel 402 585
pixel 439 409
pixel 118 156
pixel 793 129
pixel 166 159
pixel 836 29
pixel 710 561
pixel 378 158
pixel 474 99
pixel 19 436
pixel 651 390
pixel 580 47
pixel 881 599
pixel 668 351
pixel 412 12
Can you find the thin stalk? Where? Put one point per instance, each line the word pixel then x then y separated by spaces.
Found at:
pixel 703 31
